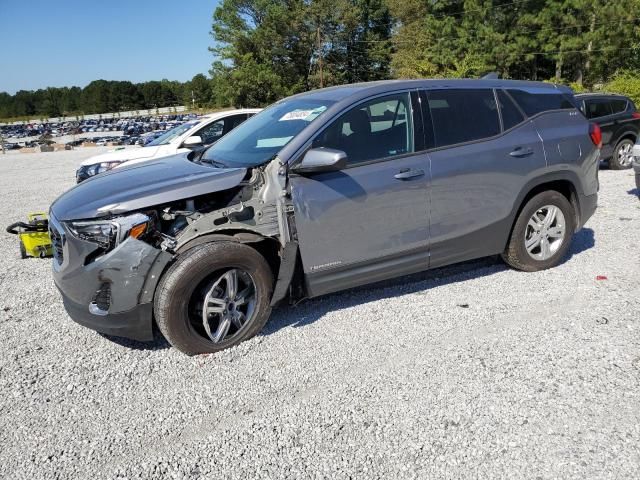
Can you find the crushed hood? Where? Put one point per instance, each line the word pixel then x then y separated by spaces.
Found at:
pixel 121 155
pixel 143 185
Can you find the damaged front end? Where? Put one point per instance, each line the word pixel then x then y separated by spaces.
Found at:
pixel 107 284
pixel 108 267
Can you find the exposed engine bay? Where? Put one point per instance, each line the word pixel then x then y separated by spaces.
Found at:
pixel 257 205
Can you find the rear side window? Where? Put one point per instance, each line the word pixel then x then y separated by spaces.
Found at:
pixel 598 107
pixel 534 103
pixel 511 116
pixel 618 105
pixel 463 115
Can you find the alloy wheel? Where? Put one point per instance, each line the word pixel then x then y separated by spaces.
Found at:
pixel 625 156
pixel 228 305
pixel 545 232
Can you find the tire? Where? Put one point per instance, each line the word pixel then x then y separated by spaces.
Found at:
pixel 23 251
pixel 202 269
pixel 619 161
pixel 517 255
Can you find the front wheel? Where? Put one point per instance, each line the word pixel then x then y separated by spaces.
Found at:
pixel 542 233
pixel 215 296
pixel 622 155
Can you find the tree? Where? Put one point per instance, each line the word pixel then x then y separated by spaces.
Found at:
pixel 267 49
pixel 581 41
pixel 197 92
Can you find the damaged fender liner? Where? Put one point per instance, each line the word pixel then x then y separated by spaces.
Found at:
pixel 285 274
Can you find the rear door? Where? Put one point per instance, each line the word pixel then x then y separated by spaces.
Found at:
pixel 483 157
pixel 562 127
pixel 626 120
pixel 599 109
pixel 368 221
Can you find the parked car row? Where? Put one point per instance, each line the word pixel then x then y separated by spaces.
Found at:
pixel 321 192
pixel 129 126
pixel 183 138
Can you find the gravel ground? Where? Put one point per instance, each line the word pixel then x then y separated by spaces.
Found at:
pixel 470 371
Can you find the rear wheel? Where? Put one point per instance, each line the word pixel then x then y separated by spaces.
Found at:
pixel 622 155
pixel 542 233
pixel 215 296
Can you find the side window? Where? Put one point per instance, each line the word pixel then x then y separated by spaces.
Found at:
pixel 463 115
pixel 374 130
pixel 618 105
pixel 232 122
pixel 598 107
pixel 511 116
pixel 211 132
pixel 533 103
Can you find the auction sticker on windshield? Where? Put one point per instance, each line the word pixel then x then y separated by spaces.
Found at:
pixel 306 115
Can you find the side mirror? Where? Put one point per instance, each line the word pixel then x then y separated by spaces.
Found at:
pixel 322 160
pixel 193 141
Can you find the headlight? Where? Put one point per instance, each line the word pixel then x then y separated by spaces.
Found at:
pixel 97 168
pixel 109 233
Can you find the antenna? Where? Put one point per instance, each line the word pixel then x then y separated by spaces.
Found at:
pixel 491 76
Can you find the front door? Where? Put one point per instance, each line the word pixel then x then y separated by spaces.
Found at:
pixel 369 221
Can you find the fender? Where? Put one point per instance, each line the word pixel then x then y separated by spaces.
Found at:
pixel 560 175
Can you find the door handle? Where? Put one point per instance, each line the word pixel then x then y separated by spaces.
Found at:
pixel 521 152
pixel 408 173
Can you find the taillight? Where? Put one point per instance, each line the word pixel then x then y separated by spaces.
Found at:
pixel 596 134
pixel 635 115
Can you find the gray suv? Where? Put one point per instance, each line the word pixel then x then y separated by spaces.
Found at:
pixel 321 192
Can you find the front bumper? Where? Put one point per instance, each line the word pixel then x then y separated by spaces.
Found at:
pixel 135 324
pixel 112 293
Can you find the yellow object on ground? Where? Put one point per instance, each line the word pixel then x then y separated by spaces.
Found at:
pixel 33 235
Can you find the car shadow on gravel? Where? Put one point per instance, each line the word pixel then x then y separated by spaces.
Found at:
pixel 158 342
pixel 635 192
pixel 583 240
pixel 311 310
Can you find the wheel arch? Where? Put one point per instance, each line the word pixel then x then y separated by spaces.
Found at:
pixel 268 247
pixel 566 183
pixel 627 135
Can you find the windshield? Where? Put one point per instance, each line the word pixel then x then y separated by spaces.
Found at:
pixel 260 138
pixel 171 134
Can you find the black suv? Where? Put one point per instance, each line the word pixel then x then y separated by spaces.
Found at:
pixel 619 122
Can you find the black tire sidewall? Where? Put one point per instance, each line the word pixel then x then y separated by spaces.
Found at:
pixel 192 267
pixel 516 244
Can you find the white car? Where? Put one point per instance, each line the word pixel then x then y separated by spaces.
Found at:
pixel 203 131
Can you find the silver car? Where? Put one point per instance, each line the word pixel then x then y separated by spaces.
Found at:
pixel 321 192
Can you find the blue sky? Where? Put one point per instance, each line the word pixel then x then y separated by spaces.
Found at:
pixel 56 43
